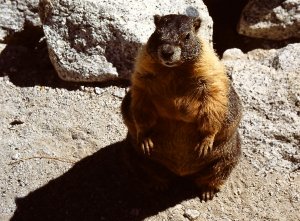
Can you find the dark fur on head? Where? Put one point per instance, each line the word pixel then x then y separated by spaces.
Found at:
pixel 174 40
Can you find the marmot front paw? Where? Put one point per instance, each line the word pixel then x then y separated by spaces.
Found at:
pixel 205 146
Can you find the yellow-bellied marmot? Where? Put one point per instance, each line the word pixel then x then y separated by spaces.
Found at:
pixel 182 111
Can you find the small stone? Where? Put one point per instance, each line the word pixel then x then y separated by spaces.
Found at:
pixel 119 93
pixel 191 214
pixel 233 53
pixel 16 156
pixel 99 90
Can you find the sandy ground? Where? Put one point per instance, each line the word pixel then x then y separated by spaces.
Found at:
pixel 60 159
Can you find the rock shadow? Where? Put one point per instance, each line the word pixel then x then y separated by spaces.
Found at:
pixel 29 36
pixel 121 52
pixel 28 66
pixel 226 16
pixel 99 187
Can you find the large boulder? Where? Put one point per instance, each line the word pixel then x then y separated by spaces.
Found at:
pixel 16 15
pixel 271 19
pixel 96 40
pixel 268 82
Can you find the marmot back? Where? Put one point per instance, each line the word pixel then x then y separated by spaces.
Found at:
pixel 181 111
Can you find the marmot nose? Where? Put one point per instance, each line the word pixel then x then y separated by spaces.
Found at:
pixel 167 51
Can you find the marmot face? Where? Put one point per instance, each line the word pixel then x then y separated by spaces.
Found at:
pixel 174 41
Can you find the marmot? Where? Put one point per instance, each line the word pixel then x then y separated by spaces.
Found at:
pixel 182 111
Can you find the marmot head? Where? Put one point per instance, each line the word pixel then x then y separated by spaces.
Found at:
pixel 174 41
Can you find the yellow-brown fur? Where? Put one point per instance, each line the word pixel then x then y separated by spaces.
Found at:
pixel 185 117
pixel 211 80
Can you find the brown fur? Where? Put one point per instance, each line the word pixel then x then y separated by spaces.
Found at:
pixel 185 118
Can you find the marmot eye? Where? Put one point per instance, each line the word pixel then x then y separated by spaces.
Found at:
pixel 187 36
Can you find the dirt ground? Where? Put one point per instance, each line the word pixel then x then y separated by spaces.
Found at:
pixel 60 158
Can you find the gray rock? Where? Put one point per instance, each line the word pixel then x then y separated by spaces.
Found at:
pixel 96 40
pixel 15 15
pixel 268 82
pixel 271 19
pixel 191 214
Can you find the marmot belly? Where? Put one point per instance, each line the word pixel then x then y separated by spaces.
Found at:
pixel 175 142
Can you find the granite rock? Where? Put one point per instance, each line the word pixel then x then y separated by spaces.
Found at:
pixel 271 19
pixel 97 40
pixel 268 82
pixel 16 15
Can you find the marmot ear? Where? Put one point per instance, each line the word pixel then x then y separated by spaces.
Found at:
pixel 197 24
pixel 156 19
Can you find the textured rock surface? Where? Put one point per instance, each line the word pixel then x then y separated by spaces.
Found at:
pixel 93 40
pixel 15 15
pixel 47 125
pixel 269 84
pixel 271 19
